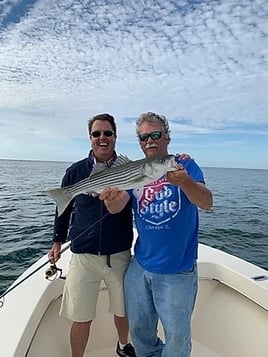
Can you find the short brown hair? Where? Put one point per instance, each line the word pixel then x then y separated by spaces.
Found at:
pixel 104 117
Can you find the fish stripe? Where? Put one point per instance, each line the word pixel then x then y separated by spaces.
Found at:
pixel 121 175
pixel 129 175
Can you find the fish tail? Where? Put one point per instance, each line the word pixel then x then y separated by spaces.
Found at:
pixel 61 197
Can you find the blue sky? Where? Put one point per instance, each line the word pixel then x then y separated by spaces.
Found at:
pixel 203 64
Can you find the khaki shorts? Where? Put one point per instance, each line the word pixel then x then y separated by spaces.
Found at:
pixel 81 289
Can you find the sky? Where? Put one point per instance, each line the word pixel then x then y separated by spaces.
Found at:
pixel 202 64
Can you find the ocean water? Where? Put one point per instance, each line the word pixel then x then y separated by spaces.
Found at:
pixel 237 224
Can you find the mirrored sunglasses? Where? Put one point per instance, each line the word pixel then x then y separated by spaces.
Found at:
pixel 97 133
pixel 154 135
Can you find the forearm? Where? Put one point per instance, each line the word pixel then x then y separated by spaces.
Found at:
pixel 197 193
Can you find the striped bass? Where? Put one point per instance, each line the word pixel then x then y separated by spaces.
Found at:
pixel 123 174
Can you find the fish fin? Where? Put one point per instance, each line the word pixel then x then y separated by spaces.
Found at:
pixel 61 197
pixel 121 160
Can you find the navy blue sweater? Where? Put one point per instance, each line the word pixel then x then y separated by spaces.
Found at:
pixel 82 221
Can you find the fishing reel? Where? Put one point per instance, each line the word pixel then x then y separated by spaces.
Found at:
pixel 2 301
pixel 51 271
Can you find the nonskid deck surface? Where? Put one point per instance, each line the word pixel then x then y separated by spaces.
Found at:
pixel 217 305
pixel 105 352
pixel 100 331
pixel 198 351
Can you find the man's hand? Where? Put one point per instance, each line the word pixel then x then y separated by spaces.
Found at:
pixel 178 176
pixel 184 156
pixel 109 194
pixel 196 192
pixel 54 253
pixel 114 199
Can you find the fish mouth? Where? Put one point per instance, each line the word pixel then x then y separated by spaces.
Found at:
pixel 173 164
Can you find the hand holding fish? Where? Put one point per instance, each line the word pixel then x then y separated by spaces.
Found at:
pixel 114 199
pixel 178 176
pixel 109 193
pixel 196 192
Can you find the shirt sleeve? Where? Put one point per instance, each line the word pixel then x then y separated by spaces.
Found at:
pixel 62 222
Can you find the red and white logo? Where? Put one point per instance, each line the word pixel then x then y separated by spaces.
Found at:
pixel 158 202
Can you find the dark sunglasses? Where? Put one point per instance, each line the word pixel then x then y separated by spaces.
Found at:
pixel 154 135
pixel 97 133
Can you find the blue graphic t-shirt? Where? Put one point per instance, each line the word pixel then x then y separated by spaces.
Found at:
pixel 167 224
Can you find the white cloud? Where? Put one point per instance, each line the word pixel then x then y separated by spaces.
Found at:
pixel 62 62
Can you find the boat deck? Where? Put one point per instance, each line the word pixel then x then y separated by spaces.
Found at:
pixel 230 316
pixel 103 332
pixel 198 351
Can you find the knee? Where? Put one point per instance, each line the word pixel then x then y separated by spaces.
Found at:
pixel 81 324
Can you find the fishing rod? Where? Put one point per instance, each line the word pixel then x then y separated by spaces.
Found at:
pixel 48 274
pixel 53 269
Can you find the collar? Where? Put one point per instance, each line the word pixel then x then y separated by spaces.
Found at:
pixel 93 161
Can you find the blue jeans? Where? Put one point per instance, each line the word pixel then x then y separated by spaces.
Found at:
pixel 167 297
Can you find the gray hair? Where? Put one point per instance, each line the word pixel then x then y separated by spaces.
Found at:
pixel 151 117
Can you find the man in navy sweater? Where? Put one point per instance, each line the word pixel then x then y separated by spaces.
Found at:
pixel 100 245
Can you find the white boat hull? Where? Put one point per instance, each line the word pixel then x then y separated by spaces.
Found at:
pixel 230 317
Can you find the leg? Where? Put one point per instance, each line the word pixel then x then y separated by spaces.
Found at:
pixel 121 324
pixel 78 337
pixel 174 296
pixel 141 312
pixel 80 297
pixel 114 280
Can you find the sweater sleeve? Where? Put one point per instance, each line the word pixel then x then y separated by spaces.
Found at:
pixel 62 222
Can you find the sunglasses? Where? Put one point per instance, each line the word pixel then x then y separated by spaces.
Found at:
pixel 97 133
pixel 154 135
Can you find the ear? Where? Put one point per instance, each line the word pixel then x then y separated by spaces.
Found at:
pixel 167 137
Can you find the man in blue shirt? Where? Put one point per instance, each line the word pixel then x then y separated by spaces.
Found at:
pixel 161 281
